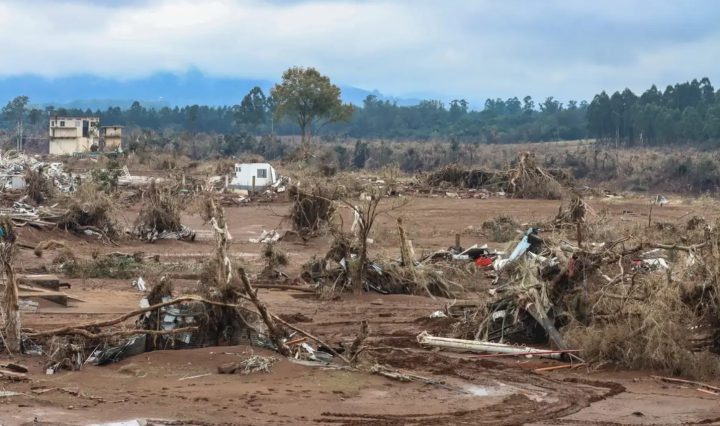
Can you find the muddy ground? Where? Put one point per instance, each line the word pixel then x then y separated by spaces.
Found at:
pixel 184 387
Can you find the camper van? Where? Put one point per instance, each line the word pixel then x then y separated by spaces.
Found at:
pixel 261 174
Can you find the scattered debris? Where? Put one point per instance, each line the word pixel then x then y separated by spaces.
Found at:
pixel 266 237
pixel 139 284
pixel 254 364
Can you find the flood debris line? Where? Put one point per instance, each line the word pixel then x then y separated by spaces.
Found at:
pixel 522 179
pixel 159 218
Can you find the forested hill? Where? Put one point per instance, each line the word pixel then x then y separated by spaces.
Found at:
pixel 682 113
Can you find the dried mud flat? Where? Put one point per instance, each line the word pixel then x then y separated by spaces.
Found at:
pixel 183 387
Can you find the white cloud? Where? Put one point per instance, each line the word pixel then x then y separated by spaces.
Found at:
pixel 474 49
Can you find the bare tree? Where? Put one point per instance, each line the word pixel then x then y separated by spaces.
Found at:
pixel 365 216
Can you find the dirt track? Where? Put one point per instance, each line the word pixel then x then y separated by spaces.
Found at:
pixel 183 385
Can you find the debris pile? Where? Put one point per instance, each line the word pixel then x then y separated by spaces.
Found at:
pixel 525 179
pixel 90 212
pixel 438 274
pixel 311 211
pixel 253 364
pixel 16 167
pixel 629 301
pixel 159 218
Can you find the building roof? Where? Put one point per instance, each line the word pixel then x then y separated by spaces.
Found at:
pixel 74 117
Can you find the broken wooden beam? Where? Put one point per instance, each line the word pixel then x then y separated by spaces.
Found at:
pixel 482 346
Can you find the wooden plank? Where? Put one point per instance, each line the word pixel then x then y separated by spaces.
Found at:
pixel 48 281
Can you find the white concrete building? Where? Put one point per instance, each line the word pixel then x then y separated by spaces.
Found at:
pixel 69 135
pixel 110 138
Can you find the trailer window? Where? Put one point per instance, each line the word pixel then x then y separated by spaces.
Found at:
pixel 262 173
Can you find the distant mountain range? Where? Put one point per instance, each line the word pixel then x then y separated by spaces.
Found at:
pixel 155 91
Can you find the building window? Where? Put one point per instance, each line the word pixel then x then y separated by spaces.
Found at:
pixel 62 124
pixel 52 124
pixel 262 173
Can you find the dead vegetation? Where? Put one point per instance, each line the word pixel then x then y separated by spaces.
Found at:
pixel 524 178
pixel 640 297
pixel 312 210
pixel 159 216
pixel 91 210
pixel 347 267
pixel 38 187
pixel 501 228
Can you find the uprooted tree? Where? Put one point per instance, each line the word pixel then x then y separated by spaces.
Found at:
pixel 312 210
pixel 160 215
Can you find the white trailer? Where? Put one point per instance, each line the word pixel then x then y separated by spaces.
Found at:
pixel 263 176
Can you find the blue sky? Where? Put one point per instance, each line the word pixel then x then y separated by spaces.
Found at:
pixel 424 48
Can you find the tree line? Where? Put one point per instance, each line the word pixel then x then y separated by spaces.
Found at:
pixel 685 112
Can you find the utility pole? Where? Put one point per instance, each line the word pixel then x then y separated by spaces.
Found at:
pixel 19 132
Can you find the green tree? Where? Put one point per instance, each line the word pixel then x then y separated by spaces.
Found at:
pixel 309 98
pixel 15 111
pixel 253 109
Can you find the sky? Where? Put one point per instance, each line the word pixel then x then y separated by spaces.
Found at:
pixel 472 49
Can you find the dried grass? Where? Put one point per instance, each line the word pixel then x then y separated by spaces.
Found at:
pixel 653 331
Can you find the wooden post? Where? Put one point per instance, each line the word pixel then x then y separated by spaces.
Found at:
pixel 405 251
pixel 253 185
pixel 457 242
